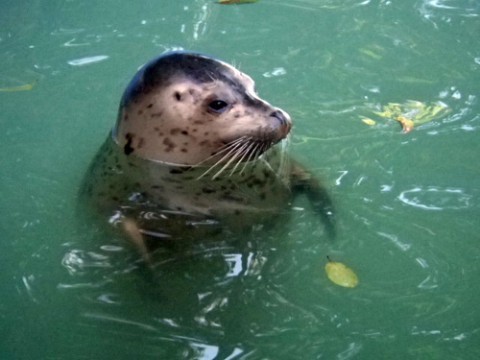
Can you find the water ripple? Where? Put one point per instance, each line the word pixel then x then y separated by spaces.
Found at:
pixel 446 10
pixel 436 199
pixel 87 60
pixel 76 261
pixel 118 320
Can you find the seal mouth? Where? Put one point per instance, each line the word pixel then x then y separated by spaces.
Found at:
pixel 237 152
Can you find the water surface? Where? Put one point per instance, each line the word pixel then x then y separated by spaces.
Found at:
pixel 407 204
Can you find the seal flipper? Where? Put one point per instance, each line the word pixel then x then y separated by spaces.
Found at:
pixel 135 235
pixel 304 182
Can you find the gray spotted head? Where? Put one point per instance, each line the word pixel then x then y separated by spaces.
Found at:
pixel 186 108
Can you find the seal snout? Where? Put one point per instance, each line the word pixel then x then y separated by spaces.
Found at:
pixel 283 119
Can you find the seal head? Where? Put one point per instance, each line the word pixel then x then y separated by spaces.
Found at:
pixel 189 109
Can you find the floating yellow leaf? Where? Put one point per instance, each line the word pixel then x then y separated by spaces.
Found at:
pixel 340 274
pixel 230 2
pixel 25 87
pixel 407 124
pixel 412 113
pixel 368 121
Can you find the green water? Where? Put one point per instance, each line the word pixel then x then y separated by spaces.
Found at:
pixel 408 204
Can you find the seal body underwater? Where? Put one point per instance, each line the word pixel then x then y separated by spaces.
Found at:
pixel 195 150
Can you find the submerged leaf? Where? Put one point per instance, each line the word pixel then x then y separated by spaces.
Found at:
pixel 340 274
pixel 371 54
pixel 25 87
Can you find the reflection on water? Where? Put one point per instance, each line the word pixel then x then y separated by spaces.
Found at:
pixel 87 60
pixel 447 10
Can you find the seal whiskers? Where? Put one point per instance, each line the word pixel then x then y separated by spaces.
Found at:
pixel 284 166
pixel 251 157
pixel 234 154
pixel 226 152
pixel 253 148
pixel 242 150
pixel 248 152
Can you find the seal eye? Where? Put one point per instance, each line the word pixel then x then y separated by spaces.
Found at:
pixel 218 106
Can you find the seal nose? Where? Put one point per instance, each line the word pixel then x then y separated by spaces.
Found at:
pixel 280 116
pixel 283 119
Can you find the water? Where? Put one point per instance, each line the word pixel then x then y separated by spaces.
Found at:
pixel 407 204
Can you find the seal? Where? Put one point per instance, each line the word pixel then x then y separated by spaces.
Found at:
pixel 195 150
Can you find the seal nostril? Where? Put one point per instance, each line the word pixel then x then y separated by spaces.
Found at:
pixel 280 116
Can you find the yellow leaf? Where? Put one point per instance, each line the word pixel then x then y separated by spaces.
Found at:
pixel 25 87
pixel 413 113
pixel 438 108
pixel 368 121
pixel 407 124
pixel 340 274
